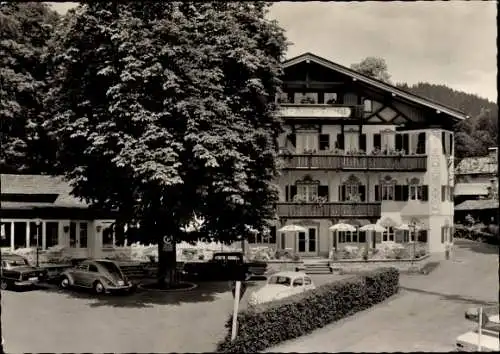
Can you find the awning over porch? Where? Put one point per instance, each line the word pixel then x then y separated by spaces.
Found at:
pixel 356 222
pixel 471 189
pixel 482 204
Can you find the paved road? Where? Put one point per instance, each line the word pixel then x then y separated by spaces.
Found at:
pixel 427 314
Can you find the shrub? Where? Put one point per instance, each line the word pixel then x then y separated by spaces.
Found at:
pixel 269 324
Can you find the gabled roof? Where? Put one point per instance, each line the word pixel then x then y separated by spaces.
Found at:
pixel 476 165
pixel 38 184
pixel 457 115
pixel 471 189
pixel 481 204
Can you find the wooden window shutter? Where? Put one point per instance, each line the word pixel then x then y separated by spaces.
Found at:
pixel 443 142
pixel 342 193
pixel 442 234
pixel 425 193
pixel 377 141
pixel 443 193
pixel 398 192
pixel 362 142
pixel 293 139
pixel 362 193
pixel 377 193
pixel 405 195
pixel 340 141
pixel 406 143
pixel 287 193
pixel 293 192
pixel 272 234
pixel 399 142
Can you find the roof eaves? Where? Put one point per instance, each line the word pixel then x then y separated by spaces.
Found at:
pixel 377 83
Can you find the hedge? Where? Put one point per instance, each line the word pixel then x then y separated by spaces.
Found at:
pixel 270 324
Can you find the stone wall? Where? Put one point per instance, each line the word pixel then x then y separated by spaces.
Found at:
pixel 403 265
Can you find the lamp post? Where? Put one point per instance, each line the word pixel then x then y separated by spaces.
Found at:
pixel 37 222
pixel 412 227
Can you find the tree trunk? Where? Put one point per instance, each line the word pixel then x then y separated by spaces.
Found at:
pixel 167 262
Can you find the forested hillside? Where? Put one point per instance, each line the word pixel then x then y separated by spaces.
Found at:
pixel 475 135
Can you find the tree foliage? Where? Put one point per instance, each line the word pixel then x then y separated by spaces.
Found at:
pixel 164 110
pixel 25 29
pixel 374 67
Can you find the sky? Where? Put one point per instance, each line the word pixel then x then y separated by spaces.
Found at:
pixel 450 43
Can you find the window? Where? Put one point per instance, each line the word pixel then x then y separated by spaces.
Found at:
pixel 307 281
pixel 413 194
pixel 307 192
pixel 35 234
pixel 361 236
pixel 19 235
pixel 388 235
pixel 351 140
pixel 83 266
pixel 72 234
pixel 83 235
pixel 422 236
pixel 388 191
pixel 307 142
pixel 324 142
pixel 367 105
pixel 330 98
pixel 108 237
pixel 305 98
pixel 298 282
pixel 5 235
pixel 93 268
pixel 282 97
pixel 51 233
pixel 421 143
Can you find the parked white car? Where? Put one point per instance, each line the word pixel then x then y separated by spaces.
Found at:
pixel 469 342
pixel 280 286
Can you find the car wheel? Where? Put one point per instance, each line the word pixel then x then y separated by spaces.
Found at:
pixel 4 285
pixel 64 283
pixel 98 287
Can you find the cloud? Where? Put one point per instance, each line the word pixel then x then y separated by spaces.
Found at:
pixel 451 43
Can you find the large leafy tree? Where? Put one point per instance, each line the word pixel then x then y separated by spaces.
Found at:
pixel 374 67
pixel 25 29
pixel 166 110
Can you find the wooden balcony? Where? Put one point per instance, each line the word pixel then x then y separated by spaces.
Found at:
pixel 355 162
pixel 293 110
pixel 329 210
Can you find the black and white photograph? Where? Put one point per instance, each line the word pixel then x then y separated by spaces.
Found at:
pixel 248 176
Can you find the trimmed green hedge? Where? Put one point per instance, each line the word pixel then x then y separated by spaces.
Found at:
pixel 272 323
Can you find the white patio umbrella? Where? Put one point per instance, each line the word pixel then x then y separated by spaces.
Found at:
pixel 340 227
pixel 373 228
pixel 292 228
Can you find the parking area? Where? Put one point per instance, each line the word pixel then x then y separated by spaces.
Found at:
pixel 427 315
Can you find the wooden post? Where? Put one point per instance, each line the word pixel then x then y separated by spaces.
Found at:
pixel 235 310
pixel 480 329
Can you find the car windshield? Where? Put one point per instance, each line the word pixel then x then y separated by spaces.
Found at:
pixel 17 262
pixel 110 267
pixel 281 280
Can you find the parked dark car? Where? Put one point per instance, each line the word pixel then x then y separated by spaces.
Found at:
pixel 16 272
pixel 101 275
pixel 225 266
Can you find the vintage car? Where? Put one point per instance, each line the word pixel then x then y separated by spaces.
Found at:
pixel 225 266
pixel 16 272
pixel 488 339
pixel 100 275
pixel 281 285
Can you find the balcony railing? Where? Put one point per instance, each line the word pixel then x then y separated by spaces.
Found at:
pixel 353 162
pixel 327 210
pixel 292 110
